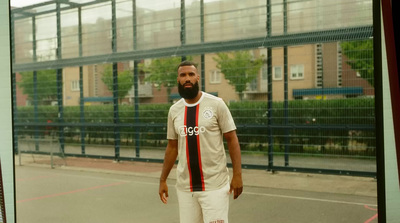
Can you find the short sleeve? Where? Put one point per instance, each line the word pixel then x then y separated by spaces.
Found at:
pixel 171 133
pixel 225 119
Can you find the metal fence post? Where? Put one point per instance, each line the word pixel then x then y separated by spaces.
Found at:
pixel 81 96
pixel 117 133
pixel 269 114
pixel 136 106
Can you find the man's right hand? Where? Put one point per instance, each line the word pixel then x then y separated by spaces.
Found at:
pixel 163 191
pixel 169 160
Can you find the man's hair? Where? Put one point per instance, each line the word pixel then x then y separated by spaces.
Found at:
pixel 187 63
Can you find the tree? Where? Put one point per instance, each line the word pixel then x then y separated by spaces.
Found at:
pixel 360 56
pixel 125 81
pixel 46 86
pixel 163 72
pixel 239 69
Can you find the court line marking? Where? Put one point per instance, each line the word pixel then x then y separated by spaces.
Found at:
pixel 369 208
pixel 309 199
pixel 70 192
pixel 249 193
pixel 111 178
pixel 371 219
pixel 89 177
pixel 35 178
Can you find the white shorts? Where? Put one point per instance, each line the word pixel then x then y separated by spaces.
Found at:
pixel 204 206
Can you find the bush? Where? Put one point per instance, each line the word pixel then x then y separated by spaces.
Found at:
pixel 308 124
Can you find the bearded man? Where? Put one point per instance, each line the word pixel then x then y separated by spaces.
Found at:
pixel 197 125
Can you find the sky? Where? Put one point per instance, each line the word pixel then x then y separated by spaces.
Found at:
pixel 22 3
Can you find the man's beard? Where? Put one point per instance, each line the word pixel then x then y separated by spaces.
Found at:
pixel 188 93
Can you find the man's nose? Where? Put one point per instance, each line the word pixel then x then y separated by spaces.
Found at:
pixel 186 78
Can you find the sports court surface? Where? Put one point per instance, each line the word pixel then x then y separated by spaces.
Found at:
pixel 92 191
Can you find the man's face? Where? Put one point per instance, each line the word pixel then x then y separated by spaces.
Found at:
pixel 188 82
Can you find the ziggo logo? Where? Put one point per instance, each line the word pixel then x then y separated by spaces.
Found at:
pixel 184 130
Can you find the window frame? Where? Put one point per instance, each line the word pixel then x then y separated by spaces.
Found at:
pixel 215 76
pixel 274 73
pixel 75 85
pixel 294 69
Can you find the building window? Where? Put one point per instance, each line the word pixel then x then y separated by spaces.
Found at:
pixel 120 32
pixel 319 65
pixel 95 82
pixel 169 25
pixel 252 86
pixel 264 72
pixel 339 63
pixel 75 85
pixel 297 71
pixel 215 77
pixel 277 73
pixel 110 34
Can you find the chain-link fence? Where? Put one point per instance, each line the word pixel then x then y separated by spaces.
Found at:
pixel 100 76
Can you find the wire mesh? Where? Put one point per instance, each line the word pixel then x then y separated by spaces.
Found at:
pixel 313 59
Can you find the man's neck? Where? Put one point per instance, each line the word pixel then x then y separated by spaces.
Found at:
pixel 195 99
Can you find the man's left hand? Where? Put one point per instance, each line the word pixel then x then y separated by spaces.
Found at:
pixel 236 186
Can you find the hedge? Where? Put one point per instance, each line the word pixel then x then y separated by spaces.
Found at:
pixel 251 117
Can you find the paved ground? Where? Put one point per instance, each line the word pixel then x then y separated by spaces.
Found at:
pixel 89 190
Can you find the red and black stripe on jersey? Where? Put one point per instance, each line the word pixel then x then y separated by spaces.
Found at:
pixel 193 155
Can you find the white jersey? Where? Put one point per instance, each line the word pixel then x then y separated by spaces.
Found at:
pixel 198 128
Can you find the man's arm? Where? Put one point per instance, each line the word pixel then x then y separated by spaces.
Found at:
pixel 234 152
pixel 171 154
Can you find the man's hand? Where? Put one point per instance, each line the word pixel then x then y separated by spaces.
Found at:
pixel 234 152
pixel 236 186
pixel 169 160
pixel 163 191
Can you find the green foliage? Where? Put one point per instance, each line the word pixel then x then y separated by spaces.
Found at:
pixel 163 72
pixel 46 85
pixel 324 112
pixel 239 68
pixel 361 58
pixel 125 81
pixel 332 120
pixel 336 117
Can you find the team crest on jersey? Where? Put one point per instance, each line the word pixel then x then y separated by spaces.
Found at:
pixel 208 113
